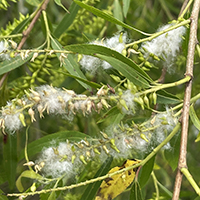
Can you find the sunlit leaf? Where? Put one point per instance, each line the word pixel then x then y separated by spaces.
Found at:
pixel 92 188
pixel 115 185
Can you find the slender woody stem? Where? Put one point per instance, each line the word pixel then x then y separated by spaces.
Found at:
pixel 26 33
pixel 185 116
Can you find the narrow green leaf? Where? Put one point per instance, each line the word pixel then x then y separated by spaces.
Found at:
pixel 10 159
pixel 126 70
pixel 165 190
pixel 194 118
pixel 46 141
pixel 117 11
pixel 67 20
pixel 70 64
pixel 92 188
pixel 52 196
pixel 21 26
pixel 172 154
pixel 91 49
pixel 13 63
pixel 126 4
pixel 195 121
pixel 107 17
pixel 166 98
pixel 2 195
pixel 58 2
pixel 136 193
pixel 27 174
pixel 145 172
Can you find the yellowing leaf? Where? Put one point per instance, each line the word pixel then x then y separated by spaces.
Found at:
pixel 115 185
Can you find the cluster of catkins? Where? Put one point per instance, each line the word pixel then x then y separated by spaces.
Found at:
pixel 119 141
pixel 122 142
pixel 53 100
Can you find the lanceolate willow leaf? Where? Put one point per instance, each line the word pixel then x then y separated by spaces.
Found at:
pixel 67 20
pixel 126 70
pixel 107 17
pixel 145 172
pixel 90 49
pixel 13 63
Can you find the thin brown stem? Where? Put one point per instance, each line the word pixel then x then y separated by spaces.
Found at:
pixel 26 33
pixel 185 115
pixel 31 25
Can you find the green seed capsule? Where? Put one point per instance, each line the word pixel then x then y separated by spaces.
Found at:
pixel 146 101
pixel 123 103
pixel 154 96
pixel 33 188
pixel 82 158
pixel 135 47
pixel 96 151
pixel 113 146
pixel 22 119
pixel 147 64
pixel 115 78
pixel 143 136
pixel 73 159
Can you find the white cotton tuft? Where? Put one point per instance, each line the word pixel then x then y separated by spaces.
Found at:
pixel 91 64
pixel 3 48
pixel 128 97
pixel 54 165
pixel 166 45
pixel 53 99
pixel 12 122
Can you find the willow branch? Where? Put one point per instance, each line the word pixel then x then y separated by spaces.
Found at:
pixel 27 32
pixel 185 115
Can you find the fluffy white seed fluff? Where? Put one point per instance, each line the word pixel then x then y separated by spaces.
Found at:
pixel 55 166
pixel 128 97
pixel 91 64
pixel 166 45
pixel 3 48
pixel 12 122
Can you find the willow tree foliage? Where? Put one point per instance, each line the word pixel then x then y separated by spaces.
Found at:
pixel 99 99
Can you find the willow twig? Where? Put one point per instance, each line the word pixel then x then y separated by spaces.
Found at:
pixel 26 33
pixel 185 115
